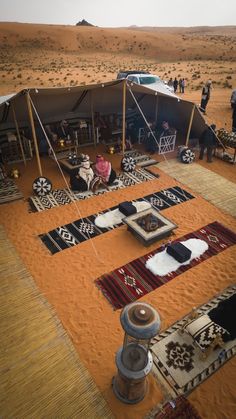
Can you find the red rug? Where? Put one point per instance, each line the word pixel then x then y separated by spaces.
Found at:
pixel 180 408
pixel 132 281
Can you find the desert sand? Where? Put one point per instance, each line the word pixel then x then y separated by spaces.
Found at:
pixel 41 55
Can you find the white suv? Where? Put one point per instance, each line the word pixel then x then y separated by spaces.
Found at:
pixel 152 81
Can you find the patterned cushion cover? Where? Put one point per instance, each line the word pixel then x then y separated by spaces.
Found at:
pixel 204 331
pixel 42 186
pixel 127 164
pixel 187 156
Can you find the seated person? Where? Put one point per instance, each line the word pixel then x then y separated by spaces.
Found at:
pixel 104 128
pixel 104 170
pixel 81 179
pixel 43 145
pixel 65 131
pixel 52 136
pixel 165 130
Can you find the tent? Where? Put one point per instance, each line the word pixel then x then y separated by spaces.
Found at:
pixel 116 97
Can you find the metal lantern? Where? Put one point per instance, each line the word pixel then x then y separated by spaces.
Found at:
pixel 141 323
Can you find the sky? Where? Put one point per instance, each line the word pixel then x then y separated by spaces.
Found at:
pixel 121 13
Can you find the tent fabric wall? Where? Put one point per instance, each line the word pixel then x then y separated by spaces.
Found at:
pixel 54 104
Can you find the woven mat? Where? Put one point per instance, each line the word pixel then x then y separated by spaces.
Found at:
pixel 72 234
pixel 60 197
pixel 41 374
pixel 181 374
pixel 132 281
pixel 9 191
pixel 213 187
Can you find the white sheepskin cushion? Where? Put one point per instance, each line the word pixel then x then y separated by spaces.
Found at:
pixel 111 218
pixel 162 264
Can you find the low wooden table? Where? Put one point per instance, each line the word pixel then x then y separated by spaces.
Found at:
pixel 164 229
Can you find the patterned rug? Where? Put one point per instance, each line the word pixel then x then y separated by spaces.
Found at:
pixel 70 235
pixel 181 374
pixel 9 191
pixel 132 281
pixel 60 197
pixel 180 408
pixel 140 159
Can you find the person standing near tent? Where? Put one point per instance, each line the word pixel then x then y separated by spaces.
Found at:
pixel 208 141
pixel 183 85
pixel 175 84
pixel 234 119
pixel 206 93
pixel 180 85
pixel 65 131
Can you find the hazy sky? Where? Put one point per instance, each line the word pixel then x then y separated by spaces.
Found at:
pixel 111 13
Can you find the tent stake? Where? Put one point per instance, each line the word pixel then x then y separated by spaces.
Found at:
pixel 18 134
pixel 33 133
pixel 123 122
pixel 190 125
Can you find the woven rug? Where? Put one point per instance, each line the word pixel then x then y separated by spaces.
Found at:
pixel 9 191
pixel 70 235
pixel 132 281
pixel 60 197
pixel 181 374
pixel 140 159
pixel 41 373
pixel 179 408
pixel 213 187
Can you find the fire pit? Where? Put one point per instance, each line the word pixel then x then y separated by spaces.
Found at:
pixel 149 226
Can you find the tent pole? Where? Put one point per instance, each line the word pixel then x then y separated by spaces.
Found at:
pixel 123 122
pixel 33 132
pixel 18 134
pixel 190 125
pixel 156 109
pixel 92 116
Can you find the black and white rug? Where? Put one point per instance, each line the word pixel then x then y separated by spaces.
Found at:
pixel 60 197
pixel 9 191
pixel 70 235
pixel 177 364
pixel 142 160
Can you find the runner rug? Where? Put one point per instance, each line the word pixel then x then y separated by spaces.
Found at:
pixel 141 159
pixel 69 235
pixel 9 191
pixel 60 197
pixel 132 281
pixel 181 374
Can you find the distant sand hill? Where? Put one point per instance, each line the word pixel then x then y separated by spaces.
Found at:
pixel 164 43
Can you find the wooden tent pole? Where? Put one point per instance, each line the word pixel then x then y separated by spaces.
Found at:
pixel 123 122
pixel 33 133
pixel 190 125
pixel 156 109
pixel 18 134
pixel 92 116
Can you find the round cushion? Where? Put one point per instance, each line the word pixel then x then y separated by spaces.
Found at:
pixel 127 164
pixel 187 156
pixel 42 186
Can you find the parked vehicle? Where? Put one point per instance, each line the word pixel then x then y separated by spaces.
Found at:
pixel 150 80
pixel 123 74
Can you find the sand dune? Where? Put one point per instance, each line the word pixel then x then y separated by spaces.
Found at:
pixel 50 55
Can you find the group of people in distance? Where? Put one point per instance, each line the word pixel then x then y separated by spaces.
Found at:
pixel 86 178
pixel 181 83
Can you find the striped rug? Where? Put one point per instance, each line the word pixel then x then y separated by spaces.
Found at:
pixel 70 235
pixel 60 197
pixel 132 281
